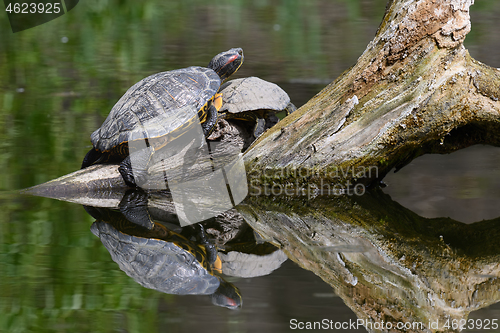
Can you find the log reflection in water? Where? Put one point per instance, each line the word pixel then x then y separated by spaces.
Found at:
pixel 387 263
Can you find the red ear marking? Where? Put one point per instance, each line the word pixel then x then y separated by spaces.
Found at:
pixel 230 301
pixel 233 58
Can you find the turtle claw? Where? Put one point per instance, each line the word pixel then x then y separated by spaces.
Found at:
pixel 128 175
pixel 134 206
pixel 125 170
pixel 133 179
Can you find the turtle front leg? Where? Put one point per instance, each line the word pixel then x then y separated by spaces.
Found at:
pixel 212 115
pixel 209 247
pixel 136 173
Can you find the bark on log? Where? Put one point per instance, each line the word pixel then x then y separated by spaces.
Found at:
pixel 415 90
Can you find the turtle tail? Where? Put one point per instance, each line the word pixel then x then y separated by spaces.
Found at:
pixel 94 156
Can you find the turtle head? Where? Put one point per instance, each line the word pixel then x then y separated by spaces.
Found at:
pixel 227 295
pixel 227 63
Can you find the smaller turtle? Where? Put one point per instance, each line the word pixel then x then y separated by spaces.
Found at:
pixel 256 101
pixel 249 264
pixel 242 250
pixel 164 260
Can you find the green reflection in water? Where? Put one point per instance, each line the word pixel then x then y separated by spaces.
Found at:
pixel 56 275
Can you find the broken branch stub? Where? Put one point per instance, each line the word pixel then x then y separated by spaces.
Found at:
pixel 415 90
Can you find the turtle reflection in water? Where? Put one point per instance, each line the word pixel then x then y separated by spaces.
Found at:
pixel 164 260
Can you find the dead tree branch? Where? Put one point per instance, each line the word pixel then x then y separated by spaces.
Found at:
pixel 415 90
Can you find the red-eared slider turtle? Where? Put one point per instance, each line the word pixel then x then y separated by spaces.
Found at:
pixel 254 100
pixel 166 100
pixel 164 260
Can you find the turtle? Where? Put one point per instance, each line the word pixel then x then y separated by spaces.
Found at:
pixel 159 109
pixel 255 101
pixel 164 260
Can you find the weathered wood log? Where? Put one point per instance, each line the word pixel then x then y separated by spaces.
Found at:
pixel 97 180
pixel 415 90
pixel 98 185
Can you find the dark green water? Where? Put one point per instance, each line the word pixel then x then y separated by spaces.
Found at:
pixel 59 81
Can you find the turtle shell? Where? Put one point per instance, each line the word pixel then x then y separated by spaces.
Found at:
pixel 248 265
pixel 166 266
pixel 252 94
pixel 157 106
